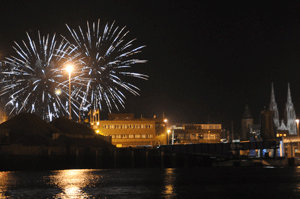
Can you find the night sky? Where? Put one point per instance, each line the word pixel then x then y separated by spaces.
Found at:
pixel 205 62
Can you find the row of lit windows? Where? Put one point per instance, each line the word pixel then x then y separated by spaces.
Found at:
pixel 198 136
pixel 128 126
pixel 131 136
pixel 280 135
pixel 211 126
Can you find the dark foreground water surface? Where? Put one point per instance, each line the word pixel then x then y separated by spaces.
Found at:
pixel 213 182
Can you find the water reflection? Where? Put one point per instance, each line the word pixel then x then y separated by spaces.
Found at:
pixel 71 182
pixel 169 181
pixel 5 177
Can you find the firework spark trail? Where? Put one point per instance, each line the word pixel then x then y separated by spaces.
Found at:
pixel 33 75
pixel 103 60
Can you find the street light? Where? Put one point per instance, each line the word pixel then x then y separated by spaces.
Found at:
pixel 69 68
pixel 58 91
pixel 297 121
pixel 168 131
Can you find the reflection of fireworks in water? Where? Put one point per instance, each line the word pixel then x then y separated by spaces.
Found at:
pixel 105 60
pixel 32 77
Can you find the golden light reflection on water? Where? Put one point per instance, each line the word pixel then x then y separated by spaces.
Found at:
pixel 4 178
pixel 71 182
pixel 170 179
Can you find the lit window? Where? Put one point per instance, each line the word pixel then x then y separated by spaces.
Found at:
pixel 113 136
pixel 97 123
pixel 124 126
pixel 144 136
pixel 284 135
pixel 277 135
pixel 118 136
pixel 131 136
pixel 112 126
pixel 125 136
pixel 142 126
pixel 137 136
pixel 193 136
pixel 150 136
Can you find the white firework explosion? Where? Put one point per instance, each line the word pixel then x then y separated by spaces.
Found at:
pixel 34 76
pixel 103 58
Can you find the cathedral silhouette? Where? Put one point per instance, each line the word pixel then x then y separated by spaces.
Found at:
pixel 289 120
pixel 284 127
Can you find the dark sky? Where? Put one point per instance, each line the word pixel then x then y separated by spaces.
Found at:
pixel 205 61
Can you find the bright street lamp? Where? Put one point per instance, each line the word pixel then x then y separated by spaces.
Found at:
pixel 57 91
pixel 69 68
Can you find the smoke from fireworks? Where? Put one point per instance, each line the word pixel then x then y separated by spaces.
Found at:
pixel 102 58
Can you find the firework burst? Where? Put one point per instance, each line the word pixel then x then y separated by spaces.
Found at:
pixel 103 57
pixel 33 78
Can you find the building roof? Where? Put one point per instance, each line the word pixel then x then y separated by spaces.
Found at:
pixel 71 127
pixel 247 114
pixel 29 129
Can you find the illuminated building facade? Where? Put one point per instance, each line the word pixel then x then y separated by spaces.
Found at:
pixel 196 133
pixel 127 131
pixel 289 121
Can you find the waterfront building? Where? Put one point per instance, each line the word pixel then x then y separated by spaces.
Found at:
pixel 127 131
pixel 196 133
pixel 28 134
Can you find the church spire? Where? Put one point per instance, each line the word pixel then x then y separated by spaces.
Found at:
pixel 273 107
pixel 247 114
pixel 290 114
pixel 272 95
pixel 289 97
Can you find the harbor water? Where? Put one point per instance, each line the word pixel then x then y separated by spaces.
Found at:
pixel 206 182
